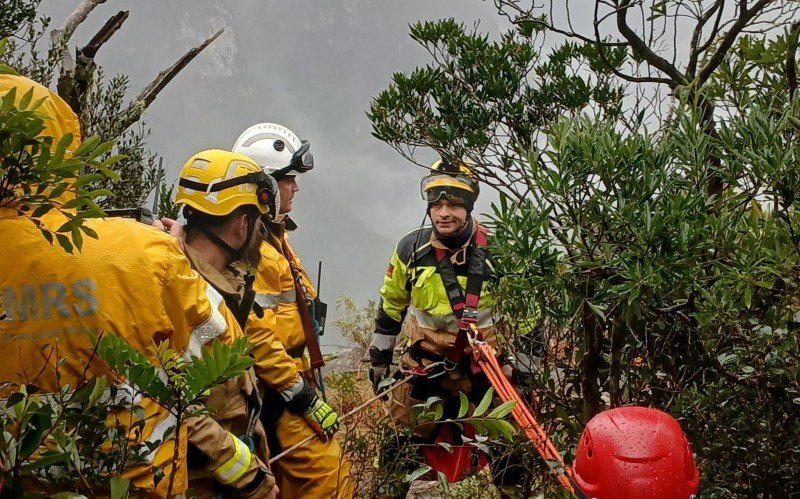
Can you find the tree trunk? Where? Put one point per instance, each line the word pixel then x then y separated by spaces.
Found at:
pixel 615 374
pixel 591 363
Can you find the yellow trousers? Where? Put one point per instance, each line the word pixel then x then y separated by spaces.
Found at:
pixel 316 470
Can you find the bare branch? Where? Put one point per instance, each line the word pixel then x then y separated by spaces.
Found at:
pixel 137 107
pixel 745 16
pixel 641 49
pixel 632 79
pixel 104 34
pixel 691 67
pixel 791 65
pixel 714 31
pixel 74 80
pixel 61 37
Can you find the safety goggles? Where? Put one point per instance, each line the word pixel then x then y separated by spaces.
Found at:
pixel 457 189
pixel 302 162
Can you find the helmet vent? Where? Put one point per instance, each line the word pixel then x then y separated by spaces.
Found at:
pixel 200 164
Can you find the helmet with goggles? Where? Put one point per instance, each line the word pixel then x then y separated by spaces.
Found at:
pixel 454 182
pixel 217 182
pixel 276 149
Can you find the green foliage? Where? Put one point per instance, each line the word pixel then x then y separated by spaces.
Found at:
pixel 664 264
pixel 22 51
pixel 187 378
pixel 101 107
pixel 65 439
pixel 38 177
pixel 756 72
pixel 79 439
pixel 356 323
pixel 16 13
pixel 479 99
pixel 105 106
pixel 166 201
pixel 663 296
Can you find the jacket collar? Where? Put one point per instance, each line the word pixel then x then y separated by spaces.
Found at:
pixel 227 282
pixel 459 255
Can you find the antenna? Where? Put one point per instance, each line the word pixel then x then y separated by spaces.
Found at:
pixel 319 276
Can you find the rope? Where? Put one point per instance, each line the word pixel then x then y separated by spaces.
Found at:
pixel 486 357
pixel 358 409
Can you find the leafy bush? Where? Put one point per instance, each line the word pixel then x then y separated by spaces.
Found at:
pixel 663 295
pixel 37 177
pixel 657 234
pixel 74 440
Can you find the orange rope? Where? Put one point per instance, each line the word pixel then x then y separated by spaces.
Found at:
pixel 486 358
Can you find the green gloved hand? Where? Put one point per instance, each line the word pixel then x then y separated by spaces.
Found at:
pixel 302 399
pixel 322 418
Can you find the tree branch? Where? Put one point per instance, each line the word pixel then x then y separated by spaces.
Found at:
pixel 640 48
pixel 104 34
pixel 791 64
pixel 148 94
pixel 745 16
pixel 691 67
pixel 75 78
pixel 618 73
pixel 60 37
pixel 713 35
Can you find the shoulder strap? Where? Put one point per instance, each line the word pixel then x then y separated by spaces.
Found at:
pixel 465 307
pixel 248 303
pixel 302 300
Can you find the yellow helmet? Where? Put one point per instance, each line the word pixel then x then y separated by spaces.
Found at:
pixel 217 182
pixel 456 183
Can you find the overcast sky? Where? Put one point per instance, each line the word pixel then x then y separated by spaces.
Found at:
pixel 311 65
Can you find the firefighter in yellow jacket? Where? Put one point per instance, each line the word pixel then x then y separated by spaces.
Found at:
pixel 223 196
pixel 437 282
pixel 132 280
pixel 316 469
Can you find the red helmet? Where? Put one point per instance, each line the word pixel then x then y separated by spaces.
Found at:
pixel 635 452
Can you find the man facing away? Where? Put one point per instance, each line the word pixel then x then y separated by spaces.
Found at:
pixel 131 280
pixel 295 411
pixel 223 197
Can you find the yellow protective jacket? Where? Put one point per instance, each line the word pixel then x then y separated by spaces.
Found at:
pixel 133 281
pixel 412 285
pixel 316 468
pixel 274 366
pixel 275 288
pixel 215 454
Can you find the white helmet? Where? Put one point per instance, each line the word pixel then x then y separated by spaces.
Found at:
pixel 276 149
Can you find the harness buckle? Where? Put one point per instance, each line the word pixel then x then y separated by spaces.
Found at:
pixel 469 315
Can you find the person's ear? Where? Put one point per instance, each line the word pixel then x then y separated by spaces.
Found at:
pixel 240 225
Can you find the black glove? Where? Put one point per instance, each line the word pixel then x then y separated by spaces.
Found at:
pixel 378 373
